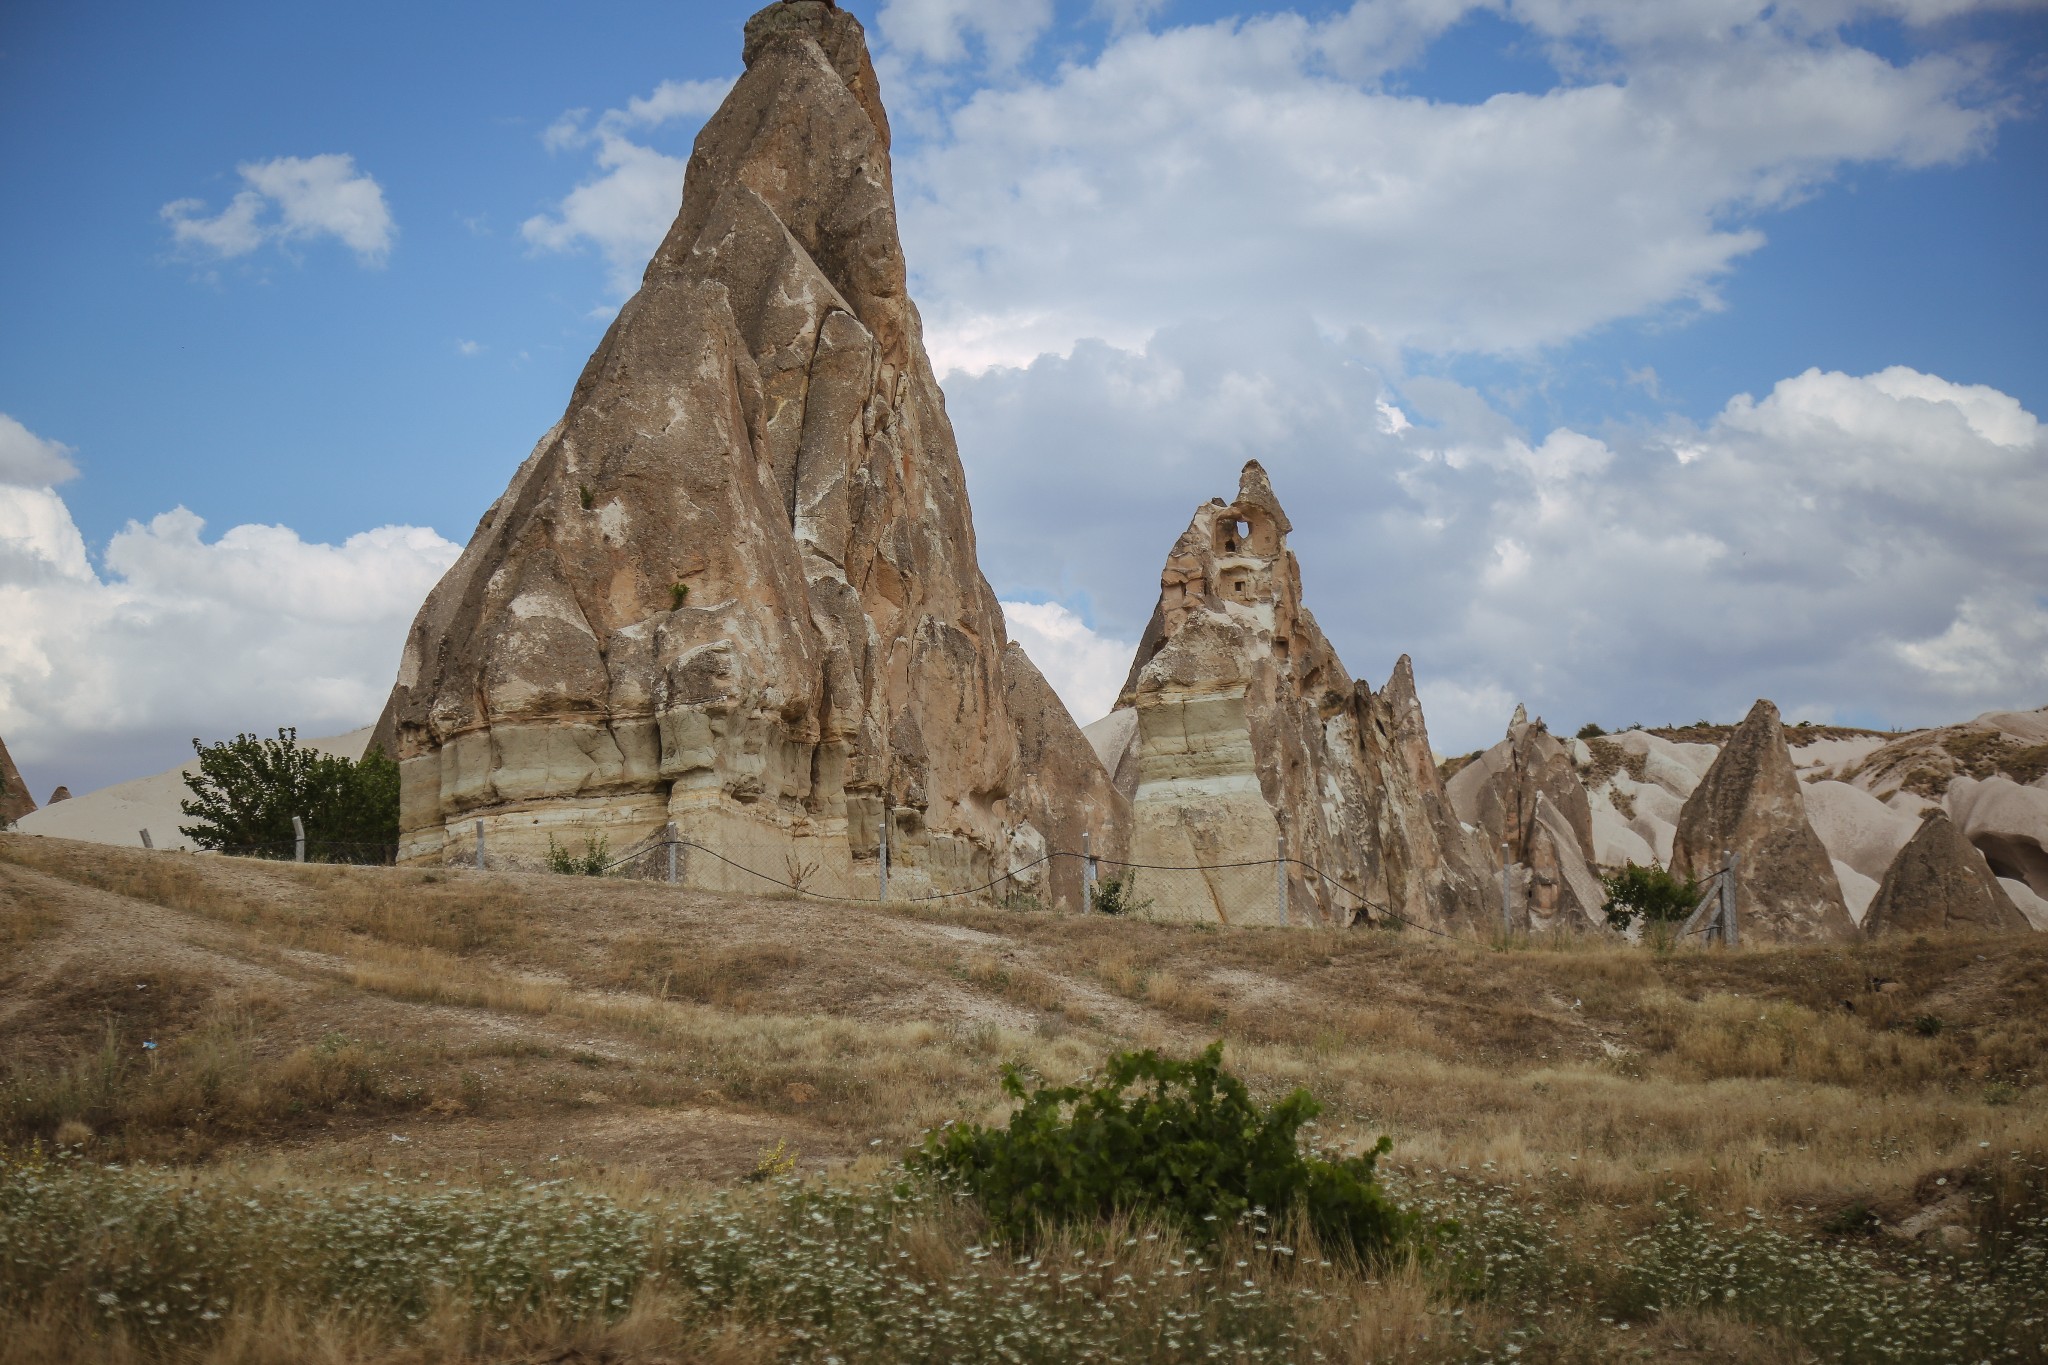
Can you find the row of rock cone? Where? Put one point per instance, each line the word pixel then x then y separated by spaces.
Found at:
pixel 734 593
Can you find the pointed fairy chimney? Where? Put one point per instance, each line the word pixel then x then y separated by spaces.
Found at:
pixel 1939 881
pixel 735 587
pixel 1750 804
pixel 1250 737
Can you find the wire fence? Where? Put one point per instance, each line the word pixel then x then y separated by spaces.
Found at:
pixel 1262 891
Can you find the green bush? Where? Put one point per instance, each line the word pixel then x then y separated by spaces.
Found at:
pixel 1119 895
pixel 1590 731
pixel 247 790
pixel 591 862
pixel 1181 1140
pixel 1655 895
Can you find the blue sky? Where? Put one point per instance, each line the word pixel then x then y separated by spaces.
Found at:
pixel 1471 279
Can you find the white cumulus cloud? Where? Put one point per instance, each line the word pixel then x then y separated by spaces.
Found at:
pixel 1861 546
pixel 108 671
pixel 625 209
pixel 1084 666
pixel 943 31
pixel 1210 169
pixel 290 199
pixel 29 461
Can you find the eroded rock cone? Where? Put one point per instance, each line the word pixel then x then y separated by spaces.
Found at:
pixel 1750 804
pixel 15 801
pixel 1247 730
pixel 736 586
pixel 1940 881
pixel 1525 793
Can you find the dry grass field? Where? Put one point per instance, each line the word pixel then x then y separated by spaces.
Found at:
pixel 258 1112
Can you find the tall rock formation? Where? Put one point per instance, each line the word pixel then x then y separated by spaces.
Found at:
pixel 1940 881
pixel 1750 804
pixel 15 801
pixel 1526 797
pixel 1247 730
pixel 736 587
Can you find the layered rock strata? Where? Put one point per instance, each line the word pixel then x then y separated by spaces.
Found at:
pixel 1239 734
pixel 15 801
pixel 1526 797
pixel 1939 881
pixel 1750 804
pixel 736 586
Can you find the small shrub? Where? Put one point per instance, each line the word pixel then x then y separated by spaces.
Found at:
pixel 1179 1139
pixel 591 862
pixel 1590 731
pixel 1927 1025
pixel 583 491
pixel 678 593
pixel 1119 895
pixel 774 1162
pixel 1651 893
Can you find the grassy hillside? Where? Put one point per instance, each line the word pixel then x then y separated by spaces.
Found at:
pixel 1639 1149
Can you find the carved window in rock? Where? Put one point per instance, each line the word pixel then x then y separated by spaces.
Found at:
pixel 1240 587
pixel 1233 533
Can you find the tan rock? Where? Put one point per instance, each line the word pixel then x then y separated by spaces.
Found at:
pixel 15 800
pixel 1065 800
pixel 735 587
pixel 1246 729
pixel 2008 823
pixel 1750 803
pixel 1527 799
pixel 1940 881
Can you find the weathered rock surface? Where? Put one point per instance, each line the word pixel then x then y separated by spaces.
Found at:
pixel 1750 803
pixel 1065 799
pixel 60 794
pixel 15 801
pixel 1858 891
pixel 2032 906
pixel 1940 881
pixel 736 586
pixel 2009 825
pixel 1856 827
pixel 1246 729
pixel 1525 793
pixel 1925 763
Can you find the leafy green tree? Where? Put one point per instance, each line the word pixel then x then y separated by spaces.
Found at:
pixel 248 789
pixel 1651 893
pixel 1180 1139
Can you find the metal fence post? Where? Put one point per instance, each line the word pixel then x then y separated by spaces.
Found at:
pixel 1280 879
pixel 882 863
pixel 145 839
pixel 298 840
pixel 669 834
pixel 1731 933
pixel 480 864
pixel 1087 875
pixel 1507 893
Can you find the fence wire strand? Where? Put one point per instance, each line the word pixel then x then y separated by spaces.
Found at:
pixel 366 854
